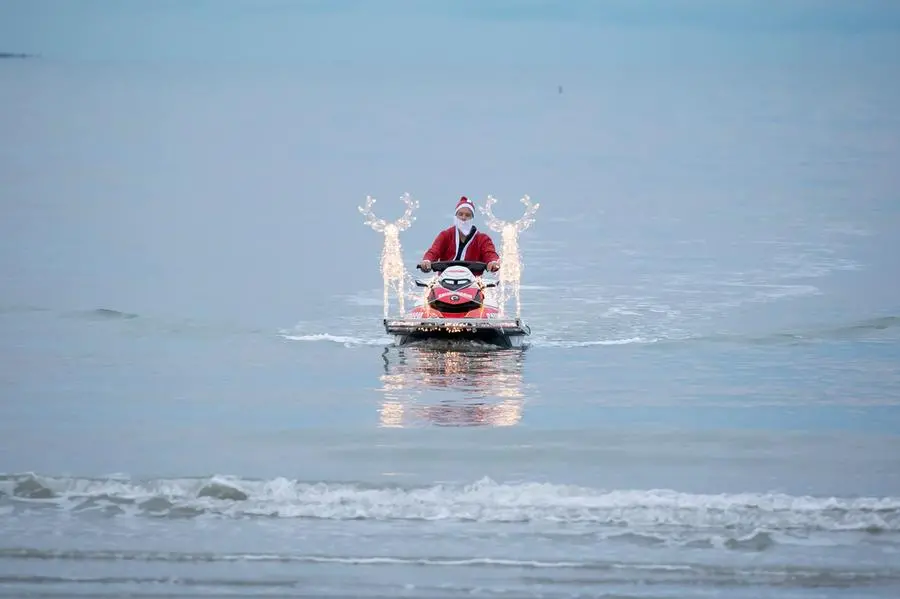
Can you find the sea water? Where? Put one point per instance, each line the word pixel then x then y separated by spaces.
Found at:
pixel 198 397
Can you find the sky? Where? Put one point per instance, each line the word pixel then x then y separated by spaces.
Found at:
pixel 443 31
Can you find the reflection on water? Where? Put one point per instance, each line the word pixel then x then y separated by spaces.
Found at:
pixel 451 386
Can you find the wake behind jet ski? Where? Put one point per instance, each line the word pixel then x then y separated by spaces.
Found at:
pixel 456 307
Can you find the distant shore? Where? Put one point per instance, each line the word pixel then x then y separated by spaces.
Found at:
pixel 16 55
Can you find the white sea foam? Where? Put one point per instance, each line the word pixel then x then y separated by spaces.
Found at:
pixel 483 501
pixel 571 344
pixel 346 340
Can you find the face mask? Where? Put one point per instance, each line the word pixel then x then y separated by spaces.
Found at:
pixel 464 226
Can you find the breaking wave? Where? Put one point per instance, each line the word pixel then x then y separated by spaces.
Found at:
pixel 482 501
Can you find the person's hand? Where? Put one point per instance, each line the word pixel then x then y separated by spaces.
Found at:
pixel 425 265
pixel 493 266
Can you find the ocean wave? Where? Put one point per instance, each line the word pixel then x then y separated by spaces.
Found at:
pixel 528 573
pixel 102 314
pixel 782 573
pixel 874 329
pixel 482 501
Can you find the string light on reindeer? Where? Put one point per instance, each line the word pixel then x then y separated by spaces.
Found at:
pixel 392 271
pixel 511 271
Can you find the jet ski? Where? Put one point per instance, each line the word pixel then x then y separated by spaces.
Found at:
pixel 455 308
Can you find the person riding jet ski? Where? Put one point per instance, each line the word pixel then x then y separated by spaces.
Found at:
pixel 462 241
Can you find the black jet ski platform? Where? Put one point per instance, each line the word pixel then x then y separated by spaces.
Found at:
pixel 503 332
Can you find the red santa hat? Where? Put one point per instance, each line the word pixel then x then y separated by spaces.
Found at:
pixel 464 202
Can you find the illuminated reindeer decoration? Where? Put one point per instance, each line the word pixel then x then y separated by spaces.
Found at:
pixel 392 270
pixel 511 272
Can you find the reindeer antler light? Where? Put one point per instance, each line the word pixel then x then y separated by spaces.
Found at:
pixel 511 272
pixel 379 224
pixel 392 270
pixel 498 225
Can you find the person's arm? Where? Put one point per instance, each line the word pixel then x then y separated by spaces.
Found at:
pixel 489 253
pixel 433 252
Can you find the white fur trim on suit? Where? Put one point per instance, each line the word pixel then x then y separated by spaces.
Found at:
pixel 466 247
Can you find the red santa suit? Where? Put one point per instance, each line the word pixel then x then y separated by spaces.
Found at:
pixel 449 244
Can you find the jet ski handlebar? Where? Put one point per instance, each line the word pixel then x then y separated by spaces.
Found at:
pixel 477 268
